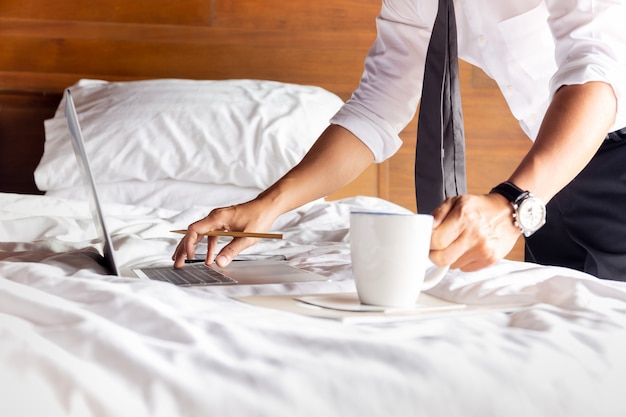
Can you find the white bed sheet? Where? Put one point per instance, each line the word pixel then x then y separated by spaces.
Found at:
pixel 74 342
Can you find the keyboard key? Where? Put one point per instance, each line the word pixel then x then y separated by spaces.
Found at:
pixel 195 274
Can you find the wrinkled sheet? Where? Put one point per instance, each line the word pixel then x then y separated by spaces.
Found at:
pixel 76 342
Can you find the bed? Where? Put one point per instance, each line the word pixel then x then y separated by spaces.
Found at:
pixel 74 341
pixel 79 342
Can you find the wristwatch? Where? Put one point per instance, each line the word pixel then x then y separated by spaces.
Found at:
pixel 529 212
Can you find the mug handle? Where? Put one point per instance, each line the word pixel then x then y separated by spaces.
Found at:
pixel 434 277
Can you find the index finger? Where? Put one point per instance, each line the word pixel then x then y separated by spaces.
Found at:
pixel 186 248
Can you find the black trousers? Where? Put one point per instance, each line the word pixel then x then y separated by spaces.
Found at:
pixel 586 221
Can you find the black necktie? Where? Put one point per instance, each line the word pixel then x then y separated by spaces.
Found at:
pixel 440 152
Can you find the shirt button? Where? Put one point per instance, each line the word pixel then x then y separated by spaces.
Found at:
pixel 482 40
pixel 510 89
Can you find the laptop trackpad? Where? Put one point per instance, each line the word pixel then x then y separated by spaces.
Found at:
pixel 267 272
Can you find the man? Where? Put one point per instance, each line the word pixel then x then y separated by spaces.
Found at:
pixel 561 65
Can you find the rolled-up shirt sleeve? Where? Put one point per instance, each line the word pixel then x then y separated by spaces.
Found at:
pixel 389 90
pixel 590 46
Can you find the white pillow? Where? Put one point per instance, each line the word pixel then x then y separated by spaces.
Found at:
pixel 246 133
pixel 169 194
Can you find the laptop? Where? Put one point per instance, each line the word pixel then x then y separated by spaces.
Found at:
pixel 266 271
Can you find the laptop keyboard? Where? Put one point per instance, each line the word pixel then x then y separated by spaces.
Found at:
pixel 196 274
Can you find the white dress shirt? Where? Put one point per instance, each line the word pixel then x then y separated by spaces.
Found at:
pixel 529 47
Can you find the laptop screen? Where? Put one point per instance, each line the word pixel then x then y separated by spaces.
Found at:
pixel 78 144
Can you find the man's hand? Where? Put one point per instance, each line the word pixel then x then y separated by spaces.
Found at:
pixel 243 217
pixel 473 231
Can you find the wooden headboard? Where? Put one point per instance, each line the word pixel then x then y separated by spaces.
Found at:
pixel 46 46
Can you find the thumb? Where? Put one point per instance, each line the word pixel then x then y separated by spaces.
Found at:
pixel 231 250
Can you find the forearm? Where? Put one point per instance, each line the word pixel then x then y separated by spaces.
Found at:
pixel 335 159
pixel 472 232
pixel 575 125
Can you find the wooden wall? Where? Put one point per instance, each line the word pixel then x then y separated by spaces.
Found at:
pixel 318 43
pixel 46 45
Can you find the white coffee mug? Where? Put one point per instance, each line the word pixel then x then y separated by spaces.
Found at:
pixel 390 257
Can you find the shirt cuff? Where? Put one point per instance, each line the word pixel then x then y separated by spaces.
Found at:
pixel 372 130
pixel 580 72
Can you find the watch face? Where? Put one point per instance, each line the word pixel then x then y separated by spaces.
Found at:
pixel 531 215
